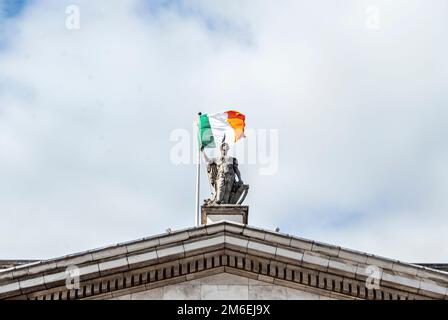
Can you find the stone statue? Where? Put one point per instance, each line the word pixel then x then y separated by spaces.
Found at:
pixel 222 173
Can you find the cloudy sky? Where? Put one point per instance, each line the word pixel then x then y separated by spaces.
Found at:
pixel 358 91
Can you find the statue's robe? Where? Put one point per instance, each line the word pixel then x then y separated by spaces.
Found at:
pixel 225 178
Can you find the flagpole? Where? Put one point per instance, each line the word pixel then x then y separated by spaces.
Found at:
pixel 198 173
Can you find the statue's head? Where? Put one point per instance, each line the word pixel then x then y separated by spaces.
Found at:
pixel 224 148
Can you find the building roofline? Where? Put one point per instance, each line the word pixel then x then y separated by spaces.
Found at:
pixel 258 233
pixel 275 246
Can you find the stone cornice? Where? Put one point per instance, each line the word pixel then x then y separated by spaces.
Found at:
pixel 259 248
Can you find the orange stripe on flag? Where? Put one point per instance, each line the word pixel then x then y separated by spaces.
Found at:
pixel 237 122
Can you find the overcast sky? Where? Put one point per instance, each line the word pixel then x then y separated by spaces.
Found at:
pixel 358 91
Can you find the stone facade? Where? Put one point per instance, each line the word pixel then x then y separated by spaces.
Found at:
pixel 223 286
pixel 166 265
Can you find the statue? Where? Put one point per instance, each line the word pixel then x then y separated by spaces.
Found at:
pixel 222 173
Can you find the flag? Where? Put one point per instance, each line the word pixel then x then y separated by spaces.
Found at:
pixel 214 127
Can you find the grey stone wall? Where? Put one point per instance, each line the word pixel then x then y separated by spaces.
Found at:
pixel 222 286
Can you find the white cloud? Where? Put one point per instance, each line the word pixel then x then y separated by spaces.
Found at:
pixel 85 118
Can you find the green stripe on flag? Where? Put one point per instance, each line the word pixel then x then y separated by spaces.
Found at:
pixel 205 132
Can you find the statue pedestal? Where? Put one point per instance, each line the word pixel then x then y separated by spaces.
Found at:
pixel 229 212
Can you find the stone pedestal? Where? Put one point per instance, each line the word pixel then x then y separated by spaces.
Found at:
pixel 229 212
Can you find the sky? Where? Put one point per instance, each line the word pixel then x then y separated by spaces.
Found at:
pixel 354 91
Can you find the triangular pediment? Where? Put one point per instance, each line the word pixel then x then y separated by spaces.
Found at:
pixel 220 286
pixel 281 260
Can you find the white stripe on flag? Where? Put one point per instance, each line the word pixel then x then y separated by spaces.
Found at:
pixel 220 126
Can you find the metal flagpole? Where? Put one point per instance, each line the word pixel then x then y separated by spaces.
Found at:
pixel 198 173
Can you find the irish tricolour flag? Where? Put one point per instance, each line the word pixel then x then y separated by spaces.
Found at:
pixel 214 127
